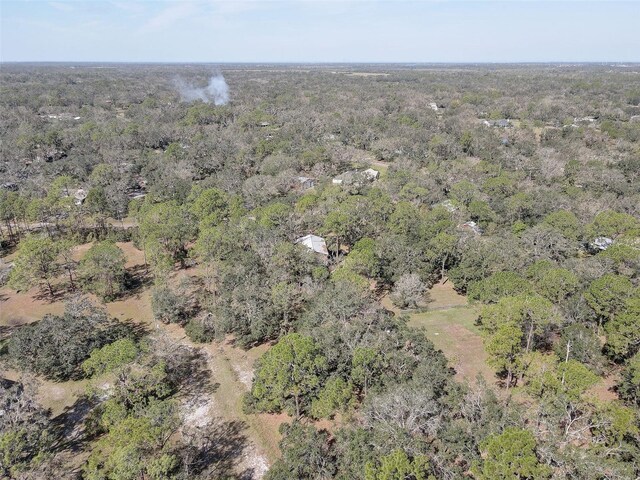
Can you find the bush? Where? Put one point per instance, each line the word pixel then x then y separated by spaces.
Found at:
pixel 110 357
pixel 171 306
pixel 200 330
pixel 408 291
pixel 56 346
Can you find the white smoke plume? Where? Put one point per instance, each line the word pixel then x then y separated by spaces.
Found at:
pixel 217 91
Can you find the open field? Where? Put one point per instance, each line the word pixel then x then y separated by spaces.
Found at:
pixel 443 295
pixel 453 330
pixel 449 322
pixel 17 308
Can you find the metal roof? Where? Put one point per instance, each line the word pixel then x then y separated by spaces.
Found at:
pixel 314 243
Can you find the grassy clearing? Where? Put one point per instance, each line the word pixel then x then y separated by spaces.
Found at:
pixel 443 295
pixel 433 319
pixel 449 323
pixel 454 332
pixel 56 396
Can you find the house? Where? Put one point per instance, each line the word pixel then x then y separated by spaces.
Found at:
pixel 501 123
pixel 448 205
pixel 314 243
pixel 135 194
pixel 433 106
pixel 601 243
pixel 371 174
pixel 79 196
pixel 353 177
pixel 471 227
pixel 305 183
pixel 584 119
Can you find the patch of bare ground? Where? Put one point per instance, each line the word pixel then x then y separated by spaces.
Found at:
pixel 127 222
pixel 224 403
pixel 18 308
pixel 134 257
pixel 55 396
pixel 604 390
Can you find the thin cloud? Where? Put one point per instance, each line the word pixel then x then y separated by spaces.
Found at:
pixel 169 16
pixel 63 7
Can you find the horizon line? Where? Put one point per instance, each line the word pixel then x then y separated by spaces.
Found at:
pixel 356 62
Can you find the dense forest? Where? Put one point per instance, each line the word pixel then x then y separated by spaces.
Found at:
pixel 157 221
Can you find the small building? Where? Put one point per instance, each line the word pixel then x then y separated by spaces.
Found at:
pixel 353 177
pixel 471 227
pixel 501 123
pixel 585 119
pixel 136 194
pixel 371 174
pixel 448 205
pixel 314 243
pixel 601 243
pixel 433 106
pixel 79 197
pixel 305 183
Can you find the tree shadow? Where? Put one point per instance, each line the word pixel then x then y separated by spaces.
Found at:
pixel 44 295
pixel 189 371
pixel 69 427
pixel 137 279
pixel 7 330
pixel 215 449
pixel 135 329
pixel 7 248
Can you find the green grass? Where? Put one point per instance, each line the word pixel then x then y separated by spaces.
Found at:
pixel 453 331
pixel 463 316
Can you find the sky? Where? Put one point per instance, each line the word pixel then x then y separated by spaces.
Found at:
pixel 218 31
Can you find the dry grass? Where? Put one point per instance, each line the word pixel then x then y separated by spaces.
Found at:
pixel 228 366
pixel 454 332
pixel 449 323
pixel 443 295
pixel 604 390
pixel 25 307
pixel 56 396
